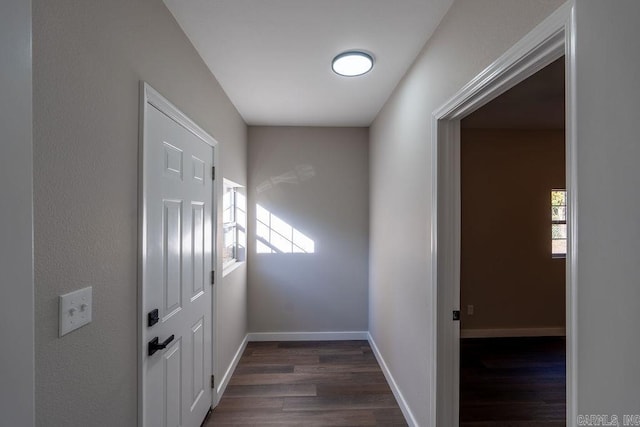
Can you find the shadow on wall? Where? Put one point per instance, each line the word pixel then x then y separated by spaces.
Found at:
pixel 275 236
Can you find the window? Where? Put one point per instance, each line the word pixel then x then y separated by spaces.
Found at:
pixel 558 223
pixel 234 218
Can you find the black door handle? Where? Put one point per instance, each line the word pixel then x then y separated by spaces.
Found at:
pixel 154 345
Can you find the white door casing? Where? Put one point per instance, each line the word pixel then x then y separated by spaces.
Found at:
pixel 176 263
pixel 550 40
pixel 17 310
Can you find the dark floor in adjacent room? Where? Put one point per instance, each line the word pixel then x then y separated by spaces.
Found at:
pixel 329 383
pixel 512 382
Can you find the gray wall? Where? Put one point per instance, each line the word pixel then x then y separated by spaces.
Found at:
pixel 88 59
pixel 16 227
pixel 231 290
pixel 316 180
pixel 608 64
pixel 231 306
pixel 470 37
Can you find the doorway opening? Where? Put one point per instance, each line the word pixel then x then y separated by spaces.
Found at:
pixel 512 255
pixel 549 41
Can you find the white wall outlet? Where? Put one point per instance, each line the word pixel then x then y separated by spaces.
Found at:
pixel 75 310
pixel 470 310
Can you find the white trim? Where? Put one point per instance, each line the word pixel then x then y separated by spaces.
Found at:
pixel 239 259
pixel 404 407
pixel 150 97
pixel 446 270
pixel 229 183
pixel 551 39
pixel 539 48
pixel 232 267
pixel 308 336
pixel 224 382
pixel 572 201
pixel 17 290
pixel 512 332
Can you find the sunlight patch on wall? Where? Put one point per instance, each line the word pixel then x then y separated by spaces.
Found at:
pixel 273 235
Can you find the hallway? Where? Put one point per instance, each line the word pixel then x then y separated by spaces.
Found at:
pixel 313 383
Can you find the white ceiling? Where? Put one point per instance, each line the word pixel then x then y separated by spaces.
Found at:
pixel 273 57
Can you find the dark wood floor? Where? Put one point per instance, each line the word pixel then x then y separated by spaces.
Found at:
pixel 333 383
pixel 512 382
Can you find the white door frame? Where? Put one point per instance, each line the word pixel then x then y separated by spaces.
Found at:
pixel 150 98
pixel 550 40
pixel 17 289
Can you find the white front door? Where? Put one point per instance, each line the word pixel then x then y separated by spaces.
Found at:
pixel 176 260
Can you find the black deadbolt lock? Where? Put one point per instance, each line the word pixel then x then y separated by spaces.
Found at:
pixel 152 317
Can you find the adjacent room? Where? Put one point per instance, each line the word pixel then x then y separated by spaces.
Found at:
pixel 513 252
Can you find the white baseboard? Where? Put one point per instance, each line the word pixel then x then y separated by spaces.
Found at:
pixel 404 407
pixel 512 333
pixel 308 336
pixel 222 385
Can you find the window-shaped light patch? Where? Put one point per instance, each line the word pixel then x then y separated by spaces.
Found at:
pixel 273 235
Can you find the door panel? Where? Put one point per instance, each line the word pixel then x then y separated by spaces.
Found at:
pixel 172 257
pixel 172 393
pixel 177 260
pixel 198 251
pixel 197 372
pixel 198 169
pixel 172 161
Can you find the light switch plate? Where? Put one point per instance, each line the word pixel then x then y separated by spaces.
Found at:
pixel 75 310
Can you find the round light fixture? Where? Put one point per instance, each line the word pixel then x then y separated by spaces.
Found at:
pixel 352 63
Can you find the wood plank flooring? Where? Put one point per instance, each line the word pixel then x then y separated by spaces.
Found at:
pixel 513 382
pixel 328 383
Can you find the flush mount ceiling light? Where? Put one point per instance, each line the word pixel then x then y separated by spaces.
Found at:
pixel 352 63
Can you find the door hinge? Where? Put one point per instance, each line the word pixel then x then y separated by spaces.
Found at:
pixel 213 381
pixel 213 277
pixel 213 173
pixel 456 314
